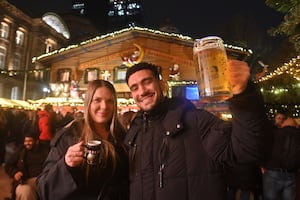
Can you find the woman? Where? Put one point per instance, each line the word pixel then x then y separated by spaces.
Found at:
pixel 66 174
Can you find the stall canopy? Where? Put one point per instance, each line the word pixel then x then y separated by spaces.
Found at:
pixel 12 103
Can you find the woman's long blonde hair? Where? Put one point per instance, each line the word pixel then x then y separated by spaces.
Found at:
pixel 114 127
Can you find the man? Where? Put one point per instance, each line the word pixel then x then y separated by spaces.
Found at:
pixel 24 166
pixel 179 152
pixel 279 177
pixel 279 119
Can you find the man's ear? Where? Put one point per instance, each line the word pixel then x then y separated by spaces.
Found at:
pixel 164 87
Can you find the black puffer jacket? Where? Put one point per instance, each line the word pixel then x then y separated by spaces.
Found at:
pixel 58 181
pixel 179 152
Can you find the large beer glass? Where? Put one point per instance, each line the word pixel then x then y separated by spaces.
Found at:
pixel 211 69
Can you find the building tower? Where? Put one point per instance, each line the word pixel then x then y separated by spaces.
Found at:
pixel 124 13
pixel 79 6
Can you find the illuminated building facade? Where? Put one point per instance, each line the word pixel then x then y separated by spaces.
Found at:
pixel 79 6
pixel 21 38
pixel 124 13
pixel 109 56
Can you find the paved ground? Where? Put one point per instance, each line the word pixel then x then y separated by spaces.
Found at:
pixel 5 183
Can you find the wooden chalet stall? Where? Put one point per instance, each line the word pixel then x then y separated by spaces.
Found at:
pixel 108 57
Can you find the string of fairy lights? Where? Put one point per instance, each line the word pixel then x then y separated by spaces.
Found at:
pixel 292 67
pixel 115 33
pixel 20 72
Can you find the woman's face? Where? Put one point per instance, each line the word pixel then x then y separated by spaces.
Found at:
pixel 102 106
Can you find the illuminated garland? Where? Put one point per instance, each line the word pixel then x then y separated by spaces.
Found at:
pixel 292 68
pixel 293 110
pixel 113 34
pixel 17 72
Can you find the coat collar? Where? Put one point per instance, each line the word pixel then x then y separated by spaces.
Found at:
pixel 171 111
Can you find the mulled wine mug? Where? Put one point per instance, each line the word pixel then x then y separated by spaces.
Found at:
pixel 92 153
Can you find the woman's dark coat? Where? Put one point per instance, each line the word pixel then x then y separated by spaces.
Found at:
pixel 58 181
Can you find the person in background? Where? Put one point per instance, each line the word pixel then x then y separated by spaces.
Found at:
pixel 66 174
pixel 179 152
pixel 46 124
pixel 280 117
pixel 2 136
pixel 279 171
pixel 244 182
pixel 25 165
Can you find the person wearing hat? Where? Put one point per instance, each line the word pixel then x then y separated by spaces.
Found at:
pixel 24 166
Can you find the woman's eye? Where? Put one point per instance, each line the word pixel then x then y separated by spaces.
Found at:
pixel 97 100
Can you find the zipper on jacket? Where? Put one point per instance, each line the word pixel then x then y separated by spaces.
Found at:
pixel 161 174
pixel 163 151
pixel 145 122
pixel 134 152
pixel 133 144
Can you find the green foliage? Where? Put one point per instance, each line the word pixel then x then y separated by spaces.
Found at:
pixel 290 26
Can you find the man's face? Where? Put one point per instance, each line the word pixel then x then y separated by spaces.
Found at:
pixel 145 89
pixel 29 143
pixel 279 119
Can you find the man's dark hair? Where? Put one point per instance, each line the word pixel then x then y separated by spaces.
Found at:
pixel 31 132
pixel 141 66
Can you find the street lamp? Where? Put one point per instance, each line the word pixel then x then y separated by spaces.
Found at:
pixel 46 91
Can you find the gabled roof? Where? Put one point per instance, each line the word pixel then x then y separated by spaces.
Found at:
pixel 121 41
pixel 107 51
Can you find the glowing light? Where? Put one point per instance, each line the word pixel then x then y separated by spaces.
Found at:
pixel 292 68
pixel 136 28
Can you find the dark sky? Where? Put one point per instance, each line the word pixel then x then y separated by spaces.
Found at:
pixel 191 17
pixel 197 16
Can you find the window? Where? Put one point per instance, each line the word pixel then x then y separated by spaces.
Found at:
pixel 120 74
pixel 19 37
pixel 17 62
pixel 91 74
pixel 14 93
pixel 2 57
pixel 48 48
pixel 38 73
pixel 50 45
pixel 4 30
pixel 64 75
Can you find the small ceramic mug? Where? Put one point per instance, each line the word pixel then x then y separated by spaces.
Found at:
pixel 92 153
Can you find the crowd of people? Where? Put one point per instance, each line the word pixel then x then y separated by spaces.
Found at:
pixel 169 149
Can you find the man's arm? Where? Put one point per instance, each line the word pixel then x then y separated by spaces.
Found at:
pixel 11 165
pixel 250 125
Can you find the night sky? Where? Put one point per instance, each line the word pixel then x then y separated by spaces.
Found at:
pixel 191 17
pixel 196 17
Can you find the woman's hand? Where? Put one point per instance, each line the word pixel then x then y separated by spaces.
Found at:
pixel 18 175
pixel 74 155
